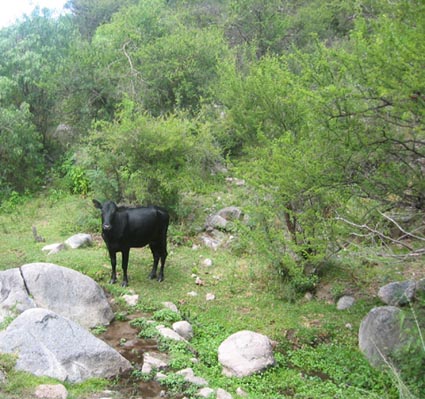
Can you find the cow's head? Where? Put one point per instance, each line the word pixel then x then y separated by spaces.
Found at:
pixel 108 208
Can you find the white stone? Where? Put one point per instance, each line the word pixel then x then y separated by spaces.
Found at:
pixel 169 333
pixel 52 249
pixel 131 300
pixel 245 353
pixel 189 376
pixel 171 306
pixel 222 394
pixel 184 329
pixel 206 392
pixel 151 362
pixel 78 240
pixel 207 262
pixel 210 297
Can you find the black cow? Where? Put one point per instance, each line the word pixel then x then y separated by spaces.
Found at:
pixel 124 228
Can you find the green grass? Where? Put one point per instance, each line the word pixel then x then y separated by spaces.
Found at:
pixel 317 354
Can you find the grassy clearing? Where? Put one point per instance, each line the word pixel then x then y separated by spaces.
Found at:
pixel 316 352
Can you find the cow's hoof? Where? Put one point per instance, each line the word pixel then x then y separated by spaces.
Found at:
pixel 152 276
pixel 160 279
pixel 124 284
pixel 112 281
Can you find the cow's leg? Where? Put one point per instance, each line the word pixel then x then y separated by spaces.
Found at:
pixel 113 256
pixel 162 248
pixel 125 256
pixel 156 256
pixel 161 270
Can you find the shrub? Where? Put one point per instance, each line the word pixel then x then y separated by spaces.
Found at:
pixel 141 159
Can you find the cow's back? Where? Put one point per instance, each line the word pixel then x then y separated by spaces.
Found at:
pixel 145 225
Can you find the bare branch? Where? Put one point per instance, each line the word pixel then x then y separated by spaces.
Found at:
pixel 406 233
pixel 378 233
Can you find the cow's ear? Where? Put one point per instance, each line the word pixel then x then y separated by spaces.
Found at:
pixel 97 204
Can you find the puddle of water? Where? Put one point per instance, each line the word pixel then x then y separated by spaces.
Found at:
pixel 123 338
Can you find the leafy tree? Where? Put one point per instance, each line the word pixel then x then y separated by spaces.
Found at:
pixel 21 157
pixel 187 61
pixel 32 54
pixel 332 132
pixel 89 14
pixel 148 160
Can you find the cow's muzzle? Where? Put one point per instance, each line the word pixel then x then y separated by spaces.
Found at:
pixel 106 227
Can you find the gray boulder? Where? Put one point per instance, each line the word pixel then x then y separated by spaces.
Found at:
pixel 397 293
pixel 50 345
pixel 215 222
pixel 221 219
pixel 345 302
pixel 14 298
pixel 383 331
pixel 245 353
pixel 67 293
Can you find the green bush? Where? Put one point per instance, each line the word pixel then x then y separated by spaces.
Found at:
pixel 148 160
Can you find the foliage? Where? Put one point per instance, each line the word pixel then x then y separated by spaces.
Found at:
pixel 319 106
pixel 20 149
pixel 148 160
pixel 89 15
pixel 167 315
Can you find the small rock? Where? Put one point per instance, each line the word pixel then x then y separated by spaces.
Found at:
pixel 160 376
pixel 189 376
pixel 241 392
pixel 345 302
pixel 171 306
pixel 169 333
pixel 205 392
pixel 215 222
pixel 199 281
pixel 222 394
pixel 308 296
pixel 52 249
pixel 131 300
pixel 192 293
pixel 210 297
pixel 231 213
pixel 184 329
pixel 56 391
pixel 151 362
pixel 207 262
